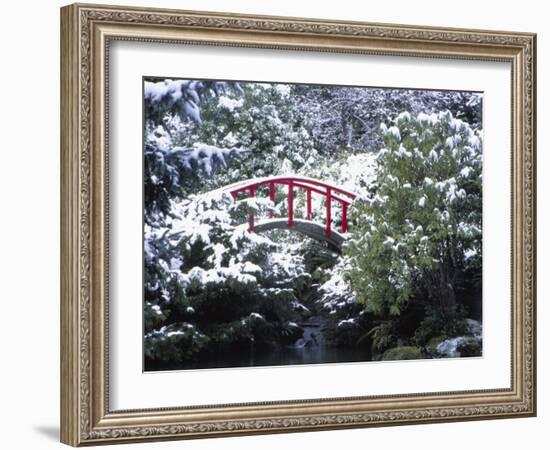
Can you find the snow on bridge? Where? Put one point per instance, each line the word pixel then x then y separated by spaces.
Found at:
pixel 307 226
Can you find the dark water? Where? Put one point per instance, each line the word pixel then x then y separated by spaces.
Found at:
pixel 281 357
pixel 309 349
pixel 287 356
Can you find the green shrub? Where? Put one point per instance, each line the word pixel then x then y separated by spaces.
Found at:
pixel 470 347
pixel 422 227
pixel 402 353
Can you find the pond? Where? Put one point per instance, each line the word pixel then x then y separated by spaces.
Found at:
pixel 311 348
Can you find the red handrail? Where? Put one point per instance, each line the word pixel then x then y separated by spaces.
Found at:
pixel 310 185
pixel 286 178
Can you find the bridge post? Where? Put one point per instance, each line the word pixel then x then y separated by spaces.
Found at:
pixel 344 217
pixel 311 186
pixel 290 204
pixel 271 197
pixel 308 197
pixel 329 211
pixel 251 210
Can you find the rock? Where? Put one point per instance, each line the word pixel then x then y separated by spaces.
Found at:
pixel 402 353
pixel 460 346
pixel 470 347
pixel 475 328
pixel 449 347
pixel 431 347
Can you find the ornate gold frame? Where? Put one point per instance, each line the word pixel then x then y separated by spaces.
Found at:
pixel 86 31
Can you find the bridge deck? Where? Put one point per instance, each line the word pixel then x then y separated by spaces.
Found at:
pixel 307 227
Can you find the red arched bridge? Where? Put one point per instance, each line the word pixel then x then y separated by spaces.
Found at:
pixel 332 194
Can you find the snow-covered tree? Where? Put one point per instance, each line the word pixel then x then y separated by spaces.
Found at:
pixel 260 120
pixel 174 169
pixel 422 229
pixel 346 118
pixel 225 286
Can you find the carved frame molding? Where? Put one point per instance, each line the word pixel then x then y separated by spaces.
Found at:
pixel 86 31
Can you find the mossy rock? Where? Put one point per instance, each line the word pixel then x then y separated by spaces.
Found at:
pixel 470 347
pixel 431 347
pixel 402 353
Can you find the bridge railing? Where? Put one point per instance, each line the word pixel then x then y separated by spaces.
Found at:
pixel 311 186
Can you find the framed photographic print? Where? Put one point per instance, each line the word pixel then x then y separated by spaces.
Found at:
pixel 275 224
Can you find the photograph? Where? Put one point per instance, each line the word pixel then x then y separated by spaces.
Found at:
pixel 294 223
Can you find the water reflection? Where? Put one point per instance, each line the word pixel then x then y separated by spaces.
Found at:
pixel 280 357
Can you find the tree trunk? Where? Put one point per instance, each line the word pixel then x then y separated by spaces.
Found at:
pixel 447 299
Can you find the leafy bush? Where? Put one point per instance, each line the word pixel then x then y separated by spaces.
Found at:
pixel 176 342
pixel 402 353
pixel 470 347
pixel 436 324
pixel 422 227
pixel 382 336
